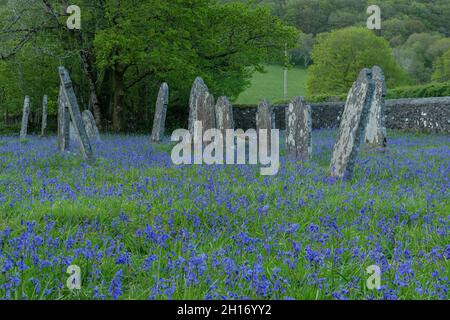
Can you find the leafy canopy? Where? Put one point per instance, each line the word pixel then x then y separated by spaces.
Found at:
pixel 339 56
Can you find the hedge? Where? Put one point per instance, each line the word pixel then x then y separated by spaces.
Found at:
pixel 419 91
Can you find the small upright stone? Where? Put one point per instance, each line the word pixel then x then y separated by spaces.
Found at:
pixel 198 90
pixel 160 113
pixel 353 126
pixel 224 114
pixel 265 116
pixel 91 126
pixel 44 115
pixel 376 135
pixel 63 122
pixel 265 119
pixel 299 129
pixel 25 116
pixel 75 115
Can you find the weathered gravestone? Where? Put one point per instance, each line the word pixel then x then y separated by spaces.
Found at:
pixel 265 120
pixel 160 113
pixel 201 106
pixel 63 122
pixel 25 117
pixel 299 129
pixel 91 126
pixel 44 115
pixel 353 126
pixel 376 135
pixel 75 115
pixel 224 114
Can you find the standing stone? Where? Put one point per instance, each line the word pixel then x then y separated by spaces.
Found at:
pixel 25 116
pixel 224 114
pixel 353 126
pixel 376 135
pixel 63 122
pixel 72 132
pixel 199 89
pixel 160 113
pixel 265 117
pixel 75 115
pixel 265 120
pixel 91 126
pixel 206 111
pixel 44 114
pixel 299 129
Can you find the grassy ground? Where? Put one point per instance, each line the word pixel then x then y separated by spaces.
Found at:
pixel 139 227
pixel 270 85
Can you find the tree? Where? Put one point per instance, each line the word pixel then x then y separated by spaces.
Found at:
pixel 302 54
pixel 418 53
pixel 339 56
pixel 442 68
pixel 43 23
pixel 309 16
pixel 398 30
pixel 125 49
pixel 175 41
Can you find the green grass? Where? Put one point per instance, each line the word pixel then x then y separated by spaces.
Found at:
pixel 270 85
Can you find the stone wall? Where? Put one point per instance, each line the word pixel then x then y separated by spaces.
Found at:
pixel 419 115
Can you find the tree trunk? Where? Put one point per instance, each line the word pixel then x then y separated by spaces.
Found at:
pixel 92 79
pixel 118 98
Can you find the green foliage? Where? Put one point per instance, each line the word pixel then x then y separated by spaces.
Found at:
pixel 178 40
pixel 302 54
pixel 401 18
pixel 135 45
pixel 132 47
pixel 419 91
pixel 339 56
pixel 419 52
pixel 398 30
pixel 442 68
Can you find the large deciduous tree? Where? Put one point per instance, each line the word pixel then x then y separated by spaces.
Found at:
pixel 339 56
pixel 125 49
pixel 442 68
pixel 175 41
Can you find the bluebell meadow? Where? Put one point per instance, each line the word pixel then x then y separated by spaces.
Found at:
pixel 140 227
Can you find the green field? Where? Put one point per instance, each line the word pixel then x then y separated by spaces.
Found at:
pixel 270 85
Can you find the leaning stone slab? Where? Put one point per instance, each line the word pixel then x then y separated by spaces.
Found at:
pixel 44 114
pixel 299 129
pixel 198 90
pixel 63 122
pixel 91 126
pixel 75 115
pixel 353 126
pixel 376 135
pixel 72 132
pixel 224 114
pixel 25 117
pixel 160 113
